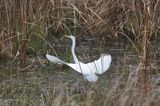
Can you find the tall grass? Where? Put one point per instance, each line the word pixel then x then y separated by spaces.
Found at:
pixel 24 21
pixel 29 26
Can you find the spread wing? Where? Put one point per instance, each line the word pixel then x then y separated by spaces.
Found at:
pixel 54 59
pixel 98 66
pixel 76 67
pixel 101 65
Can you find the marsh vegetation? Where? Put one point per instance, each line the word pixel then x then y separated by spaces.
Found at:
pixel 127 29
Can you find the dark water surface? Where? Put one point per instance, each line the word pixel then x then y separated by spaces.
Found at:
pixel 38 76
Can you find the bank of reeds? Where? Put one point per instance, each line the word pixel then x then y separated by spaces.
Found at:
pixel 24 22
pixel 27 26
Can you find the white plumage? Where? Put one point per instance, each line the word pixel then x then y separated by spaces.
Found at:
pixel 89 70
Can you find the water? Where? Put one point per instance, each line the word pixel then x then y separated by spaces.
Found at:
pixel 38 81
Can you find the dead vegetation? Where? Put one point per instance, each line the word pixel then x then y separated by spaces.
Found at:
pixel 28 26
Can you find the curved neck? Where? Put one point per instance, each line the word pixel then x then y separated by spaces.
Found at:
pixel 73 51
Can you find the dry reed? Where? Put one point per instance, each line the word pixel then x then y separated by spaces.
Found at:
pixel 26 24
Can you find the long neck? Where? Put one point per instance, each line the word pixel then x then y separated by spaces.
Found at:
pixel 73 51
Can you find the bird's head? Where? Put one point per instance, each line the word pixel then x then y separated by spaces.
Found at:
pixel 71 37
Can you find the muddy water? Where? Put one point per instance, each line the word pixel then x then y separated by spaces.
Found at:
pixel 123 54
pixel 42 75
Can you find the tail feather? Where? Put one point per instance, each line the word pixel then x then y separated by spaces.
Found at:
pixel 91 77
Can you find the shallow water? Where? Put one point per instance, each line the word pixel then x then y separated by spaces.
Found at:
pixel 40 77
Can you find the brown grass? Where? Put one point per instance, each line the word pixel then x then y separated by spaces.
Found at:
pixel 28 25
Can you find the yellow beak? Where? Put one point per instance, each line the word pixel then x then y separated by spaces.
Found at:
pixel 64 36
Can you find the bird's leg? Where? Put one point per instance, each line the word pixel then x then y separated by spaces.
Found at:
pixel 80 87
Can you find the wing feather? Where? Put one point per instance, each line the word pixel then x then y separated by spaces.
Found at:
pixel 54 59
pixel 101 65
pixel 76 67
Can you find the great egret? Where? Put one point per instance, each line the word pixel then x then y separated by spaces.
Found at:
pixel 89 70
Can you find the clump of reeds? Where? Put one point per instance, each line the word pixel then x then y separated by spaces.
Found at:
pixel 25 26
pixel 23 22
pixel 133 95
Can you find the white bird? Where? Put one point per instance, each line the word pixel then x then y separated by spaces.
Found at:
pixel 89 70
